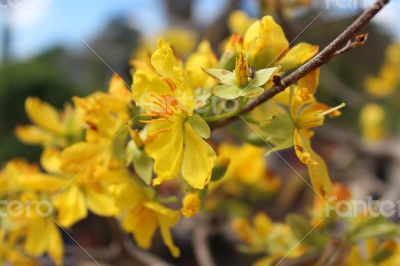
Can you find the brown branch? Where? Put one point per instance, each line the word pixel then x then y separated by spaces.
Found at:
pixel 320 59
pixel 201 247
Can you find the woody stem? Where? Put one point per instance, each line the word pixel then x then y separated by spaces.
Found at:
pixel 329 52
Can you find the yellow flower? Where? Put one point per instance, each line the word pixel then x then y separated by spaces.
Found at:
pixel 143 220
pixel 175 133
pixel 244 81
pixel 50 127
pixel 204 57
pixel 386 82
pixel 141 215
pixel 266 42
pixel 13 175
pixel 77 179
pixel 372 121
pixel 339 193
pixel 239 22
pixel 307 114
pixel 294 129
pixel 105 113
pixel 263 236
pixel 267 46
pixel 246 162
pixel 31 226
pixel 181 39
pixel 191 204
pixel 43 236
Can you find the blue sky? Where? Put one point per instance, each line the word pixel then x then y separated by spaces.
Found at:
pixel 39 24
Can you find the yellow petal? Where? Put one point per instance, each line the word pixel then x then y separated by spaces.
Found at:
pixel 44 115
pixel 372 121
pixel 239 22
pixel 310 81
pixel 191 204
pixel 241 71
pixel 51 161
pixel 119 89
pixel 166 149
pixel 36 242
pixel 76 157
pixel 242 227
pixel 167 218
pixel 126 195
pixel 33 135
pixel 165 62
pixel 44 182
pixel 142 223
pixel 311 116
pixel 263 225
pixel 165 227
pixel 266 42
pixel 301 152
pixel 302 96
pixel 198 159
pixel 298 55
pixel 55 247
pixel 99 203
pixel 203 58
pixel 317 168
pixel 146 86
pixel 246 162
pixel 183 40
pixel 70 204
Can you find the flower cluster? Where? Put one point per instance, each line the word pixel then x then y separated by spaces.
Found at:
pixel 143 154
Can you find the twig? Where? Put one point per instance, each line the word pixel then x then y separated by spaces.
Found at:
pixel 127 247
pixel 201 247
pixel 320 59
pixel 359 40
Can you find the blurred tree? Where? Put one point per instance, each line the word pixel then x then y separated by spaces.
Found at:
pixel 58 74
pixel 5 34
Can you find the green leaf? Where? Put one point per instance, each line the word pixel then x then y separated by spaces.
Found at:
pixel 119 142
pixel 374 227
pixel 200 126
pixel 305 232
pixel 228 92
pixel 263 76
pixel 142 163
pixel 251 91
pixel 222 75
pixel 218 172
pixel 279 130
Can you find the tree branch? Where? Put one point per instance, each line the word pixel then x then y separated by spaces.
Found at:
pixel 200 245
pixel 320 59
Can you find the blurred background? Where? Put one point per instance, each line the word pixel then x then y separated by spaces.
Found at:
pixel 55 49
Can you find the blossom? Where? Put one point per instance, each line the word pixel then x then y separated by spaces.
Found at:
pixel 76 186
pixel 372 122
pixel 141 214
pixel 49 126
pixel 175 133
pixel 241 82
pixel 31 228
pixel 293 128
pixel 191 204
pixel 105 113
